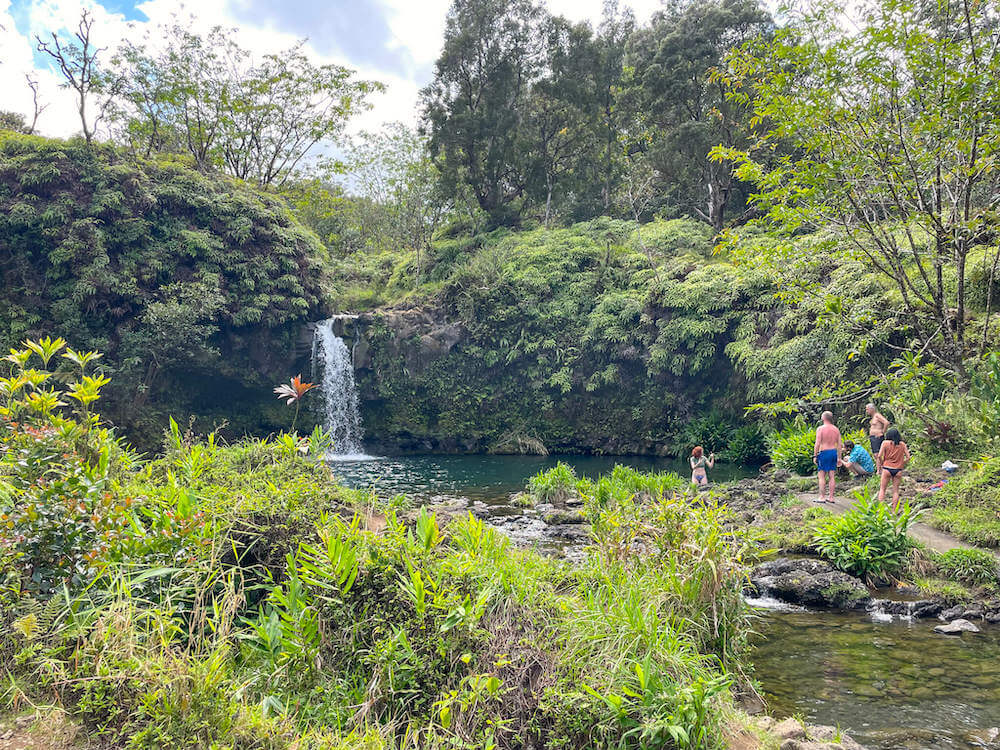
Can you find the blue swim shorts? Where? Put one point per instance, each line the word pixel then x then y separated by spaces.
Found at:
pixel 827 460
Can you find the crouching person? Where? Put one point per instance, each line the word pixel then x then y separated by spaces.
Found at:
pixel 857 460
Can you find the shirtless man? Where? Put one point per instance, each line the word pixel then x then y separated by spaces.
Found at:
pixel 876 428
pixel 826 453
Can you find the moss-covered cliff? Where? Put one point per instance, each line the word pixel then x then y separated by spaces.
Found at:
pixel 196 287
pixel 589 338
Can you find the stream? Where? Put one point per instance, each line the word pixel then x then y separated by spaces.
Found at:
pixel 889 684
pixel 892 685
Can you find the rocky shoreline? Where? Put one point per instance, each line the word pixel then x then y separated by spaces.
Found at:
pixel 816 584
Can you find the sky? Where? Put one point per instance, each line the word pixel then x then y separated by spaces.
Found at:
pixel 392 41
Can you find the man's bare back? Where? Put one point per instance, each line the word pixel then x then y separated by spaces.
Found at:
pixel 827 437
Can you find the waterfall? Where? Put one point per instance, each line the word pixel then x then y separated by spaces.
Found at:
pixel 333 369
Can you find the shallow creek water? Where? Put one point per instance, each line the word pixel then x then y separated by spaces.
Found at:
pixel 892 685
pixel 889 684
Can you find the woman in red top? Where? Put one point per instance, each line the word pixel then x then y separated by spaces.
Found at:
pixel 892 459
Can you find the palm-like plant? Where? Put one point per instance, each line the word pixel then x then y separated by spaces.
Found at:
pixel 292 392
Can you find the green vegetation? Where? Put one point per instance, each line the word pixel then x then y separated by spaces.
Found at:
pixel 233 596
pixel 868 541
pixel 973 567
pixel 792 446
pixel 195 286
pixel 967 505
pixel 624 484
pixel 949 592
pixel 595 337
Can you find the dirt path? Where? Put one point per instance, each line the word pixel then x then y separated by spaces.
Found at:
pixel 939 541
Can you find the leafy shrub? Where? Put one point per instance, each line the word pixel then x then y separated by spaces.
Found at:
pixel 868 541
pixel 747 445
pixel 553 485
pixel 973 567
pixel 712 432
pixel 791 447
pixel 57 516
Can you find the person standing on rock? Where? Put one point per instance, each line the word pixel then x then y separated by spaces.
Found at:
pixel 877 426
pixel 826 454
pixel 699 464
pixel 892 459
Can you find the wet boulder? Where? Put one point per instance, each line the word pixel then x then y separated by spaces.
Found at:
pixel 793 735
pixel 810 583
pixel 956 627
pixel 952 613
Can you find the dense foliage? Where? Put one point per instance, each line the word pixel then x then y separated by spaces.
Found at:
pixel 572 337
pixel 868 541
pixel 900 161
pixel 234 596
pixel 532 114
pixel 194 286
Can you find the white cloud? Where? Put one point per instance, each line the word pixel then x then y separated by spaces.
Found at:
pixel 416 29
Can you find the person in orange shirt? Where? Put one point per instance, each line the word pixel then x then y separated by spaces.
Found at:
pixel 892 459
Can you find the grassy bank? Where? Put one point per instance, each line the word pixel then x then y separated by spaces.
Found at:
pixel 232 596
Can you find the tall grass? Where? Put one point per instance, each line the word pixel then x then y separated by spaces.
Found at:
pixel 238 599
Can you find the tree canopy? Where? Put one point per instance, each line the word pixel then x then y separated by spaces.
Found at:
pixel 894 133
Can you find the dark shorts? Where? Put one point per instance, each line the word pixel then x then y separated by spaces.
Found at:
pixel 892 472
pixel 876 442
pixel 827 460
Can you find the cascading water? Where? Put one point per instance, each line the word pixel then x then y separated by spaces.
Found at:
pixel 333 369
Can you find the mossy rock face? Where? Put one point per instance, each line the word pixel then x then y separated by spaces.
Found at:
pixel 562 340
pixel 845 595
pixel 195 287
pixel 809 582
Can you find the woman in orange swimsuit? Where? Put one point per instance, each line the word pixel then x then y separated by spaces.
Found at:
pixel 892 459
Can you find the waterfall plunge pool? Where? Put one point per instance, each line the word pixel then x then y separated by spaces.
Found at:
pixel 488 478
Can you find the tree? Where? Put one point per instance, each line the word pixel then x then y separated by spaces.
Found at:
pixel 475 108
pixel 205 96
pixel 77 60
pixel 399 204
pixel 13 121
pixel 562 120
pixel 36 105
pixel 617 27
pixel 896 128
pixel 684 106
pixel 175 101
